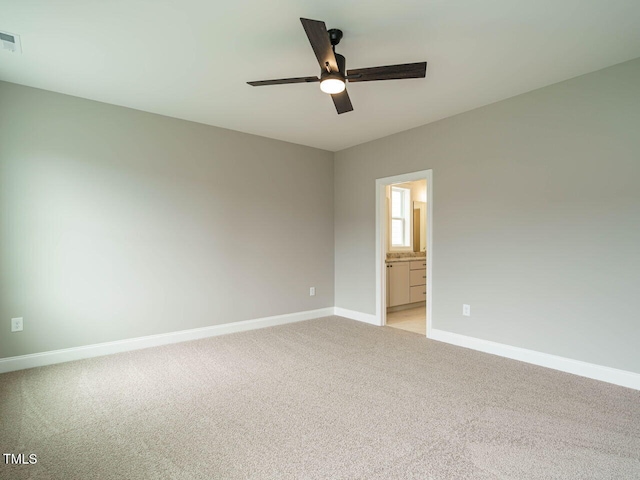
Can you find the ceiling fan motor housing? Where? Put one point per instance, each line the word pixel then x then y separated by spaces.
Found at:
pixel 342 69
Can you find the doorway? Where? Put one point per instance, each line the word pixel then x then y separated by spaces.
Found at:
pixel 401 248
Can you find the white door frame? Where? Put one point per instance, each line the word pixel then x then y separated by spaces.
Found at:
pixel 381 241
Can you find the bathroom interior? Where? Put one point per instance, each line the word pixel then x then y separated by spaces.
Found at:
pixel 406 256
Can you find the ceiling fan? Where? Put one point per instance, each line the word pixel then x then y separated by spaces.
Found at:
pixel 334 76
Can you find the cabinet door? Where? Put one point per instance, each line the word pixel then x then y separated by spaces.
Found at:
pixel 398 284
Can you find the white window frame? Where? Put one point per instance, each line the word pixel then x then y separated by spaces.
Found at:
pixel 406 219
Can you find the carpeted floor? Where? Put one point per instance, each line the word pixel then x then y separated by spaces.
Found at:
pixel 326 398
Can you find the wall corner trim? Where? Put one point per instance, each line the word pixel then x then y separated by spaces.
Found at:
pixel 21 362
pixel 623 378
pixel 354 315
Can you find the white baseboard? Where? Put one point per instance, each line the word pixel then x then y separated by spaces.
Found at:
pixel 65 355
pixel 577 367
pixel 597 372
pixel 354 315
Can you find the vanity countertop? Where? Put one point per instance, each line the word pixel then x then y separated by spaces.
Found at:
pixel 405 259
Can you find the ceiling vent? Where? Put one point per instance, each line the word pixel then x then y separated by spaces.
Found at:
pixel 10 42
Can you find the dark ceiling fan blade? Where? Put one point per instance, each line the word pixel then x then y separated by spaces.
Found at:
pixel 282 81
pixel 389 72
pixel 319 39
pixel 342 102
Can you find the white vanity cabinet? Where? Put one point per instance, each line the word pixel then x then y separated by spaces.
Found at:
pixel 406 282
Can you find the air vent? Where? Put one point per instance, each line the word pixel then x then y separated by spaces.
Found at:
pixel 10 42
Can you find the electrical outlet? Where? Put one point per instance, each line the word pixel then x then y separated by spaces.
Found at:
pixel 312 291
pixel 16 324
pixel 466 310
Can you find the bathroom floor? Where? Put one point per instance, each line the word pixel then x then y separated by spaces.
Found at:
pixel 411 320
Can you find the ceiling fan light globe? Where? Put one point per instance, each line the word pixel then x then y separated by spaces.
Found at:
pixel 332 85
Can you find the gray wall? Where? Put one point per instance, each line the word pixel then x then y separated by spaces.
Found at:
pixel 536 218
pixel 116 223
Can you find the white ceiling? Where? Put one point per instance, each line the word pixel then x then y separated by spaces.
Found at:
pixel 190 59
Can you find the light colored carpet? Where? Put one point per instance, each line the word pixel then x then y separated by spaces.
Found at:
pixel 326 398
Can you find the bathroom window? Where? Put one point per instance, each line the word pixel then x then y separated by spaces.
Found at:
pixel 400 219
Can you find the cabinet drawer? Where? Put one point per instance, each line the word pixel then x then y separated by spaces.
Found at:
pixel 419 265
pixel 418 277
pixel 418 293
